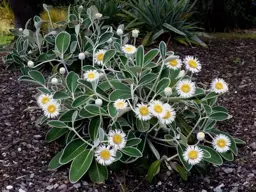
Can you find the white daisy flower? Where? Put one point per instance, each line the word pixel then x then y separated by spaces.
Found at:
pixel 43 99
pixel 129 49
pixel 51 109
pixel 142 112
pixel 104 155
pixel 186 88
pixel 174 64
pixel 221 143
pixel 219 86
pixel 99 56
pixel 91 75
pixel 156 107
pixel 169 116
pixel 117 139
pixel 192 64
pixel 120 104
pixel 193 155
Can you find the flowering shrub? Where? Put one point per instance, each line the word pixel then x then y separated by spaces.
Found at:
pixel 125 103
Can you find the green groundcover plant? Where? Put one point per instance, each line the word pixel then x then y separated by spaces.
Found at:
pixel 112 102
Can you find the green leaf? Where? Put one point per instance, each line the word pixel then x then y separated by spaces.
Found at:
pixel 140 56
pixel 37 76
pixel 44 90
pixel 94 109
pixel 67 116
pixel 54 133
pixel 132 152
pixel 119 94
pixel 119 85
pixel 219 116
pixel 173 29
pixel 109 55
pixel 98 173
pixel 215 159
pixel 72 150
pixel 62 42
pixel 150 56
pixel 183 173
pixel 105 37
pixel 71 81
pixel 208 109
pixel 133 142
pixel 227 155
pixel 153 170
pixel 206 154
pixel 54 163
pixel 142 126
pixel 162 84
pixel 60 95
pixel 146 79
pixel 162 48
pixel 181 149
pixel 219 109
pixel 239 141
pixel 57 124
pixel 153 149
pixel 94 126
pixel 81 100
pixel 112 110
pixel 80 165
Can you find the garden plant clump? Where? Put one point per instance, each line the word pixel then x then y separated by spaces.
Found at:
pixel 111 102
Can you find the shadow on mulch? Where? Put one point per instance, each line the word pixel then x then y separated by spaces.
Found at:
pixel 24 155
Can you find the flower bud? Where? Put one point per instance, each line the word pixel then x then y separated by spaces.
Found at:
pixel 54 81
pixel 98 102
pixel 81 56
pixel 98 15
pixel 168 91
pixel 30 52
pixel 20 29
pixel 181 74
pixel 80 9
pixel 200 136
pixel 30 64
pixel 110 40
pixel 119 32
pixel 62 70
pixel 135 33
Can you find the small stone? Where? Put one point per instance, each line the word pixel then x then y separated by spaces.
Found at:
pixel 84 183
pixel 228 170
pixel 9 187
pixel 37 136
pixel 253 145
pixel 21 190
pixel 159 183
pixel 63 186
pixel 234 189
pixel 77 185
pixel 168 173
pixel 56 185
pixel 19 149
pixel 49 187
pixel 32 175
pixel 203 190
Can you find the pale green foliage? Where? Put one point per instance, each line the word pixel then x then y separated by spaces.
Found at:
pixel 85 107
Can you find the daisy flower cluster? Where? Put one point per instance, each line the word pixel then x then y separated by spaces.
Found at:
pixel 106 154
pixel 194 155
pixel 50 106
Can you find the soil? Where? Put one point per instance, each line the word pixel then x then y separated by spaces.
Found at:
pixel 24 154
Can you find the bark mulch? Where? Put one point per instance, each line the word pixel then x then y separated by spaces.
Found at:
pixel 24 155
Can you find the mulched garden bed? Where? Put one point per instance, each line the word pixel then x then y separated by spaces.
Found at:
pixel 24 155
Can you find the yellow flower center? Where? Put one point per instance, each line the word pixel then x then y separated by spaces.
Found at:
pixel 219 85
pixel 144 111
pixel 51 108
pixel 45 100
pixel 192 63
pixel 185 88
pixel 221 143
pixel 120 105
pixel 158 108
pixel 117 139
pixel 105 154
pixel 128 49
pixel 91 75
pixel 173 63
pixel 193 154
pixel 167 115
pixel 100 57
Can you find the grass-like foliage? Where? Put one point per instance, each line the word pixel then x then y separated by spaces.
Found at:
pixel 111 102
pixel 6 18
